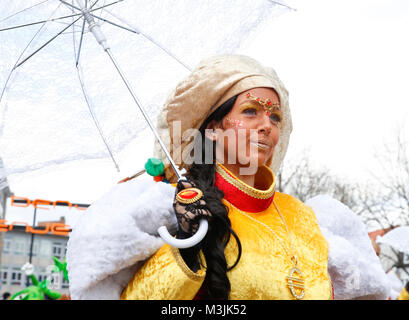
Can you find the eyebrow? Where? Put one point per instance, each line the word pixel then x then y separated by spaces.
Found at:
pixel 250 101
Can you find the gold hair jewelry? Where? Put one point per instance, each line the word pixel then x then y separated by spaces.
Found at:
pixel 268 106
pixel 292 281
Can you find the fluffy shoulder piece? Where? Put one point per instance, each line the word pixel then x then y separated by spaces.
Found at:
pixel 355 270
pixel 115 235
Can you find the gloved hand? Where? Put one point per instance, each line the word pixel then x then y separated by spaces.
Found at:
pixel 189 214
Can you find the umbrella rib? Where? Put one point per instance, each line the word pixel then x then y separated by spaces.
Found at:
pixel 114 24
pixel 87 100
pixel 166 50
pixel 145 114
pixel 94 118
pixel 18 12
pixel 282 4
pixel 59 18
pixel 96 3
pixel 45 44
pixel 38 22
pixel 104 6
pixel 70 5
pixel 151 40
pixel 70 32
pixel 100 18
pixel 80 44
pixel 65 23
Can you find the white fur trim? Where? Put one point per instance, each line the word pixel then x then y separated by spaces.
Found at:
pixel 114 234
pixel 354 268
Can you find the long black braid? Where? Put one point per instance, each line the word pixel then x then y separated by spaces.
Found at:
pixel 216 283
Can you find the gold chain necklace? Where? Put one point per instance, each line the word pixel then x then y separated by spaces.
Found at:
pixel 292 282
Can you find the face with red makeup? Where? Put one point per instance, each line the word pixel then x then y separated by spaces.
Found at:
pixel 248 134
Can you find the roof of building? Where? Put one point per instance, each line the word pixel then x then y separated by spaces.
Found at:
pixel 374 234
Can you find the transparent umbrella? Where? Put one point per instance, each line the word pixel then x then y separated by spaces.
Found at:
pixel 63 96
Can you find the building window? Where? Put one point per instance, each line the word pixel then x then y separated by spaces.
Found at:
pixel 32 248
pixel 35 249
pixel 64 284
pixel 54 281
pixel 19 247
pixel 6 246
pixel 27 280
pixel 45 248
pixel 41 277
pixel 4 275
pixel 58 250
pixel 16 276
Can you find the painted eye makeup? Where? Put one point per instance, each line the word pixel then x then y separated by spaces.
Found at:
pixel 249 109
pixel 275 117
pixel 252 110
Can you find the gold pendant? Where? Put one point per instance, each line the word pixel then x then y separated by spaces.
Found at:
pixel 298 283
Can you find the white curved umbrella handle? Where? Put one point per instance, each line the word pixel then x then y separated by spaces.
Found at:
pixel 185 243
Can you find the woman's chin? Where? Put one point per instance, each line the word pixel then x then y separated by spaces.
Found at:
pixel 256 160
pixel 261 157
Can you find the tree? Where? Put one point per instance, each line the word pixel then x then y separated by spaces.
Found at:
pixel 387 206
pixel 301 179
pixel 388 202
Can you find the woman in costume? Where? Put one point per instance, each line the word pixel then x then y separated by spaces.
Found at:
pixel 261 244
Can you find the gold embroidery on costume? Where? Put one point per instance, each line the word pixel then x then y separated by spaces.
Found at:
pixel 182 265
pixel 253 192
pixel 331 292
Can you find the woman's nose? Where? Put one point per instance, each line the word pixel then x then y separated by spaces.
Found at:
pixel 265 124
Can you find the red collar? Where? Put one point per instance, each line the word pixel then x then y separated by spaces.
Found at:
pixel 243 196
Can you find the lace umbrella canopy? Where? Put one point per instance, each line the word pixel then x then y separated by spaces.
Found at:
pixel 61 97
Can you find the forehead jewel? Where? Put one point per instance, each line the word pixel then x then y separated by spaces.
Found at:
pixel 268 105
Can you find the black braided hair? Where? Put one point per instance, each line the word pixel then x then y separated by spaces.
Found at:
pixel 216 284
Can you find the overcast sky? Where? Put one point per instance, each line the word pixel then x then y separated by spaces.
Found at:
pixel 345 64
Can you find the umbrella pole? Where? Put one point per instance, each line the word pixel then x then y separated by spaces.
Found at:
pixel 99 36
pixel 146 116
pixel 163 232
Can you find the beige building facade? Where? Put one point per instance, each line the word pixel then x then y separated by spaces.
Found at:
pixel 17 246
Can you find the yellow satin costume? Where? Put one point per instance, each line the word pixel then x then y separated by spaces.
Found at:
pixel 264 264
pixel 404 294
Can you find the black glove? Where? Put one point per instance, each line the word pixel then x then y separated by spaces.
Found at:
pixel 189 214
